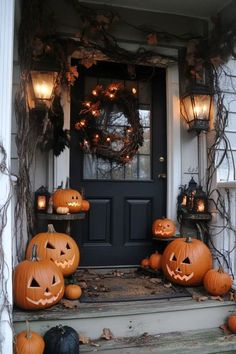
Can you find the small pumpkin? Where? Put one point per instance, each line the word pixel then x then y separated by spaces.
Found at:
pixel 73 291
pixel 185 261
pixel 85 205
pixel 62 210
pixel 155 261
pixel 217 282
pixel 163 228
pixel 145 262
pixel 231 322
pixel 58 247
pixel 28 342
pixel 37 284
pixel 69 198
pixel 61 340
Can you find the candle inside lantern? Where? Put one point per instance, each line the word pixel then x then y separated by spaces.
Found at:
pixel 184 201
pixel 200 206
pixel 41 202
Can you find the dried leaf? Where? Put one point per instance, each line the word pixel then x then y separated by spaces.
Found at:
pixel 83 339
pixel 94 344
pixel 88 62
pixel 167 285
pixel 157 281
pixel 102 19
pixel 72 74
pixel 152 39
pixel 199 298
pixel 219 298
pixel 232 296
pixel 224 328
pixel 117 273
pixel 107 334
pixel 217 60
pixel 83 285
pixel 70 304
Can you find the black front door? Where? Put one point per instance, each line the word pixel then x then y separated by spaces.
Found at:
pixel 124 201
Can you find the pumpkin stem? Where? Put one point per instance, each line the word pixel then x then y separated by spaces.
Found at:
pixel 67 183
pixel 34 256
pixel 51 228
pixel 188 239
pixel 221 269
pixel 61 329
pixel 28 330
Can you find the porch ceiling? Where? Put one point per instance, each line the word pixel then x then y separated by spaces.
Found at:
pixel 191 8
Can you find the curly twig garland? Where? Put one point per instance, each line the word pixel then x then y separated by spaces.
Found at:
pixel 109 124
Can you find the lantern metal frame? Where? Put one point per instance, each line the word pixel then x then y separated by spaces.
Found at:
pixel 199 119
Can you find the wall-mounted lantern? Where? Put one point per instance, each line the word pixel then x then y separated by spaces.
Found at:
pixel 196 106
pixel 41 199
pixel 43 84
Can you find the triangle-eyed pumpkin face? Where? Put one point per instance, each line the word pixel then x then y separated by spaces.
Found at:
pixel 59 248
pixel 163 228
pixel 186 261
pixel 37 284
pixel 180 268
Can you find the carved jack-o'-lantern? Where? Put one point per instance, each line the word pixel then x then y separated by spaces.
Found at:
pixel 163 228
pixel 69 198
pixel 58 247
pixel 185 261
pixel 37 284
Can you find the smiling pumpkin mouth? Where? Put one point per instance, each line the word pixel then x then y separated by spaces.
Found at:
pixel 65 263
pixel 45 301
pixel 73 204
pixel 173 274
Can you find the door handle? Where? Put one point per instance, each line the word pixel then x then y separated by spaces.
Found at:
pixel 162 176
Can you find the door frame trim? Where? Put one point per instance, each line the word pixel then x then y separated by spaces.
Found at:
pixel 62 162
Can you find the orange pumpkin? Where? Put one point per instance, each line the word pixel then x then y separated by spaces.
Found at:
pixel 37 284
pixel 155 261
pixel 85 206
pixel 58 247
pixel 231 322
pixel 69 198
pixel 144 262
pixel 185 261
pixel 217 282
pixel 72 291
pixel 28 342
pixel 163 228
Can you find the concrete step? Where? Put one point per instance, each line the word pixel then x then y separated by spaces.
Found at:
pixel 188 342
pixel 130 319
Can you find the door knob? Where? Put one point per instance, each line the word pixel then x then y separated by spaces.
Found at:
pixel 162 176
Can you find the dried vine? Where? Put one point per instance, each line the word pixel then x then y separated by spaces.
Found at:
pixel 5 301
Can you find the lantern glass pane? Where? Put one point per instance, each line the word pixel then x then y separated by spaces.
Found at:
pixel 201 106
pixel 196 107
pixel 187 109
pixel 43 84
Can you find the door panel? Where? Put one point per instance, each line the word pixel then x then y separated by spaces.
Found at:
pixel 124 202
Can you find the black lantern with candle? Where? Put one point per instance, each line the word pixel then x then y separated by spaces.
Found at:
pixel 192 200
pixel 41 199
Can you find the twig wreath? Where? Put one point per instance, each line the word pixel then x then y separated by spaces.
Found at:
pixel 109 124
